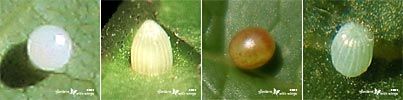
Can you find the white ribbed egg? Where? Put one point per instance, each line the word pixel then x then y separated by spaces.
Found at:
pixel 151 51
pixel 49 47
pixel 351 49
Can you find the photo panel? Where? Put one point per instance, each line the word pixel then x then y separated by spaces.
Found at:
pixel 353 49
pixel 252 49
pixel 49 50
pixel 151 50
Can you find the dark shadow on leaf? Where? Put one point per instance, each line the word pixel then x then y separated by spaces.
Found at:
pixel 381 69
pixel 16 70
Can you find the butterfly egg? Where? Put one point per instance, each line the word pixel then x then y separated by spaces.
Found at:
pixel 151 51
pixel 351 49
pixel 49 47
pixel 251 48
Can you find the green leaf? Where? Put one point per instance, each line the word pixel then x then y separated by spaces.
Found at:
pixel 177 14
pixel 18 18
pixel 181 21
pixel 222 19
pixel 321 22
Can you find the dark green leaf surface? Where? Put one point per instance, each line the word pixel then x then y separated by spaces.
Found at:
pixel 181 21
pixel 222 19
pixel 80 18
pixel 321 21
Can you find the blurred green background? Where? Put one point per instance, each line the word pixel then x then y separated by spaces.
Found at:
pixel 181 20
pixel 222 19
pixel 18 18
pixel 322 19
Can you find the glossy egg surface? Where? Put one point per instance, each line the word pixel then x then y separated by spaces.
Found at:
pixel 49 47
pixel 251 48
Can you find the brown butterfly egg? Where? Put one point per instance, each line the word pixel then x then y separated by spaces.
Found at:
pixel 251 48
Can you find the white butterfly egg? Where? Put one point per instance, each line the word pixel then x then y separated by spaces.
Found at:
pixel 351 49
pixel 49 47
pixel 151 51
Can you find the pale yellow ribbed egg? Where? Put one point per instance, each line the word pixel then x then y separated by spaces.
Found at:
pixel 151 51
